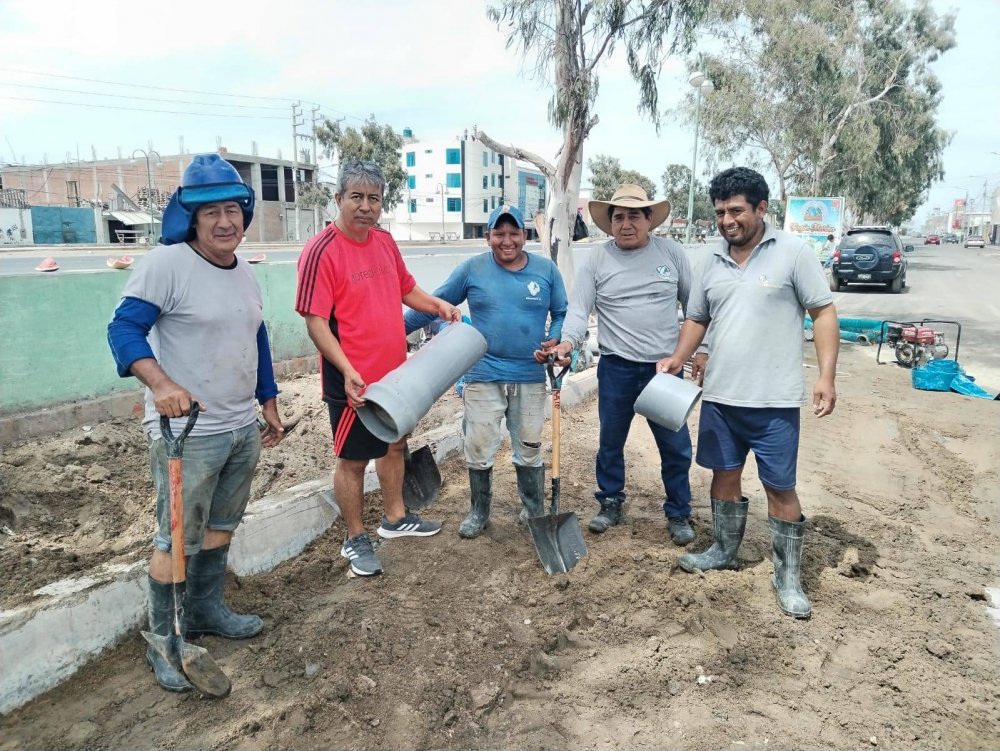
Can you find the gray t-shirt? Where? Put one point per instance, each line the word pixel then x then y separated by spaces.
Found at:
pixel 635 293
pixel 206 336
pixel 756 320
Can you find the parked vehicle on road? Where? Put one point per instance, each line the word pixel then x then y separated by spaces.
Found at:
pixel 870 255
pixel 932 240
pixel 951 238
pixel 975 241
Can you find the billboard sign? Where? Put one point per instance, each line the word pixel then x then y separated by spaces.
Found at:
pixel 814 219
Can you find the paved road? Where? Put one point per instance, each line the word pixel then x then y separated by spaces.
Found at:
pixel 944 282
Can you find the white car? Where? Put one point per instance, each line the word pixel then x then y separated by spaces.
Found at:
pixel 974 241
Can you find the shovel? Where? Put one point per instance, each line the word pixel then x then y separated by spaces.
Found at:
pixel 195 662
pixel 421 478
pixel 558 537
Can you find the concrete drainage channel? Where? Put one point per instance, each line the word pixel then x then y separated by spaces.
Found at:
pixel 98 610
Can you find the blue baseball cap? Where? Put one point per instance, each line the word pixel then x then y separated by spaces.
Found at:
pixel 506 208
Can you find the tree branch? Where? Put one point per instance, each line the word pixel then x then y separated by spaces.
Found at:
pixel 515 152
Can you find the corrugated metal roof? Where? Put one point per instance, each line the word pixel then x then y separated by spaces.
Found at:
pixel 130 217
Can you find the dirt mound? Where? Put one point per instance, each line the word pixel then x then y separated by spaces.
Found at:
pixel 468 644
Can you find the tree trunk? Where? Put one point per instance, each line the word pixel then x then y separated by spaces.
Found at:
pixel 560 214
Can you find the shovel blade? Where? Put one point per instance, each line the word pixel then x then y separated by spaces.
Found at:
pixel 194 662
pixel 421 479
pixel 558 540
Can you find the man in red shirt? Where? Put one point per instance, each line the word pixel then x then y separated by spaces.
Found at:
pixel 351 279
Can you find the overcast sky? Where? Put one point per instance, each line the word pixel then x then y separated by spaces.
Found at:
pixel 437 66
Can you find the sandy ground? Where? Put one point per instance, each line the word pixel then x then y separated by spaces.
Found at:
pixel 469 644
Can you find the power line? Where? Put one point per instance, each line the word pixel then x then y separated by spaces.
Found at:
pixel 144 98
pixel 142 109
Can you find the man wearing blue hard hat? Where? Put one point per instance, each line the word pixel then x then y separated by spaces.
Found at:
pixel 190 327
pixel 517 301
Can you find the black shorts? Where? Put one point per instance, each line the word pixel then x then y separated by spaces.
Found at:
pixel 351 439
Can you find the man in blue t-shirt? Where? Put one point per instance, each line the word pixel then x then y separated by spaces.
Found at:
pixel 512 297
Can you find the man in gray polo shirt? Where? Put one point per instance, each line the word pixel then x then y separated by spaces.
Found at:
pixel 752 295
pixel 634 281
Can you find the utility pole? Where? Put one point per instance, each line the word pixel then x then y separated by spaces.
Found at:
pixel 984 220
pixel 443 236
pixel 296 111
pixel 315 152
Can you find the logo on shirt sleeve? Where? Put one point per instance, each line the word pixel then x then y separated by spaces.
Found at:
pixel 533 288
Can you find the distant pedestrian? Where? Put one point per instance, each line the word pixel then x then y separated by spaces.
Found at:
pixel 751 296
pixel 517 301
pixel 826 255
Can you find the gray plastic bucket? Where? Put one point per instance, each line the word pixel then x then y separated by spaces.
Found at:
pixel 394 405
pixel 667 400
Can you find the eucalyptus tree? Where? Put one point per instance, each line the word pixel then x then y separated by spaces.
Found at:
pixel 606 174
pixel 568 41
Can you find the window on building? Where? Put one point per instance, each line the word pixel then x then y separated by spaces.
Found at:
pixel 428 151
pixel 493 202
pixel 268 182
pixel 428 174
pixel 494 155
pixel 428 200
pixel 493 180
pixel 486 206
pixel 486 159
pixel 454 180
pixel 453 156
pixel 454 204
pixel 413 205
pixel 411 158
pixel 411 182
pixel 486 182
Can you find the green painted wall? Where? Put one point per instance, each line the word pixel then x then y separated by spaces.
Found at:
pixel 53 334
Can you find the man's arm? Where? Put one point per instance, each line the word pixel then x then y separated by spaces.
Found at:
pixel 574 328
pixel 692 334
pixel 826 335
pixel 266 392
pixel 420 301
pixel 328 346
pixel 454 290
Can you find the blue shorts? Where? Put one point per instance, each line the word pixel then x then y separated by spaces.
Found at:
pixel 726 433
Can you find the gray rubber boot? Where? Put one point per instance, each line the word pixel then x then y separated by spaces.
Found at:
pixel 531 490
pixel 729 520
pixel 786 546
pixel 481 491
pixel 161 622
pixel 207 612
pixel 610 515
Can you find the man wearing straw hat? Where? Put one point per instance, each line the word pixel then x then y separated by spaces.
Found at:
pixel 634 281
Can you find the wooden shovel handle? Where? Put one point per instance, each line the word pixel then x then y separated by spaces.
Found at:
pixel 176 520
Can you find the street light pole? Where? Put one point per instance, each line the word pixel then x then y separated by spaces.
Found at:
pixel 701 82
pixel 444 237
pixel 149 185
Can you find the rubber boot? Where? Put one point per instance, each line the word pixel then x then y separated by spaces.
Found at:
pixel 729 520
pixel 161 622
pixel 531 489
pixel 610 515
pixel 786 546
pixel 207 612
pixel 481 492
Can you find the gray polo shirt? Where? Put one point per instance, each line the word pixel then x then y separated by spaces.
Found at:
pixel 635 293
pixel 756 320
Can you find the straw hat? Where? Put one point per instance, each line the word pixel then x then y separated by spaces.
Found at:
pixel 629 196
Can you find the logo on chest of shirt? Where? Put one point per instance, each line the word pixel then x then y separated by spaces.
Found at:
pixel 664 272
pixel 534 289
pixel 765 283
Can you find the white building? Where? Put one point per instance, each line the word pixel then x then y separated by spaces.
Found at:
pixel 453 185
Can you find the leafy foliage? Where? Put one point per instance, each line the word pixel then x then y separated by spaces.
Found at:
pixel 607 174
pixel 378 143
pixel 835 96
pixel 313 195
pixel 676 180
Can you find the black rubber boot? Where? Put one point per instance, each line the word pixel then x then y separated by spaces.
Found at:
pixel 161 622
pixel 729 520
pixel 531 490
pixel 610 515
pixel 207 612
pixel 786 546
pixel 481 492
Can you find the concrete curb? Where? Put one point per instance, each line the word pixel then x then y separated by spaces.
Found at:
pixel 24 425
pixel 93 612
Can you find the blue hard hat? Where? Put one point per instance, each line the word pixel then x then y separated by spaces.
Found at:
pixel 208 179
